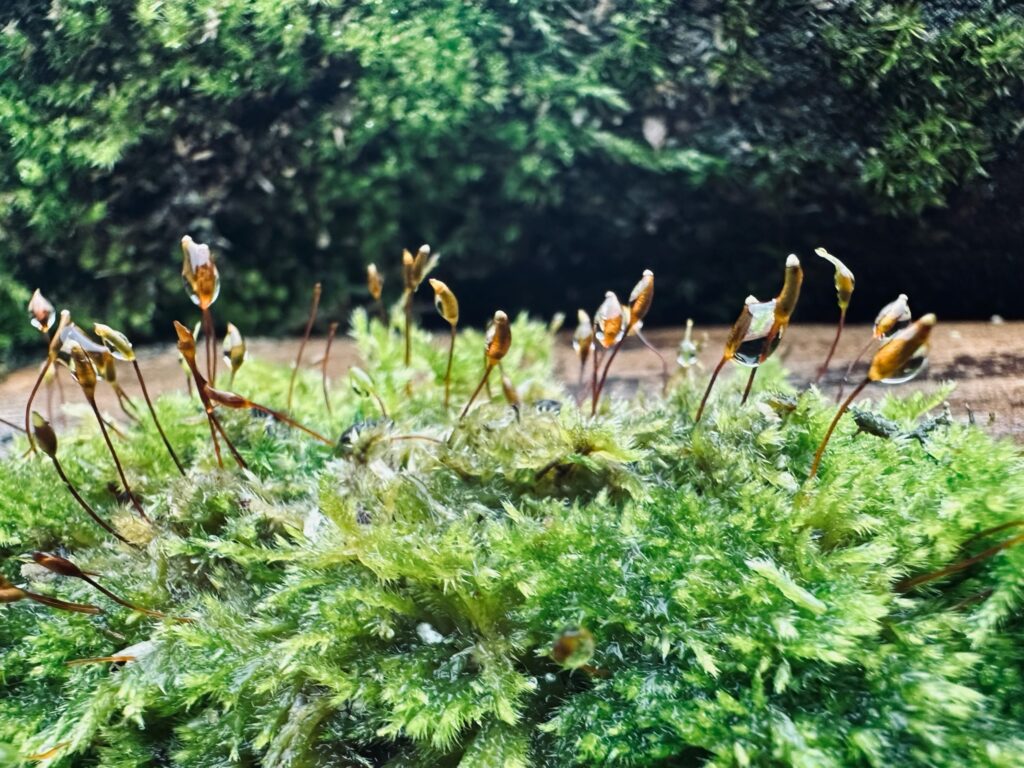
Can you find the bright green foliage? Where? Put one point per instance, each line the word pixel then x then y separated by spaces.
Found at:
pixel 396 603
pixel 525 139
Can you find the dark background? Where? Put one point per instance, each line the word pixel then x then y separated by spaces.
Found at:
pixel 549 150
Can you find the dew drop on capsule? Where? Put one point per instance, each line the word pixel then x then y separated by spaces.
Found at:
pixel 910 369
pixel 750 351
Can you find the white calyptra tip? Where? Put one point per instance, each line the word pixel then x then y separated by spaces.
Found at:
pixel 902 297
pixel 500 317
pixel 928 319
pixel 792 261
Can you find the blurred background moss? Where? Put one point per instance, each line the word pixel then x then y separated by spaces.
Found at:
pixel 548 149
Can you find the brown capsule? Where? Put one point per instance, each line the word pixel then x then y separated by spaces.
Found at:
pixel 186 342
pixel 844 291
pixel 583 336
pixel 740 328
pixel 893 317
pixel 844 279
pixel 374 281
pixel 640 298
pixel 233 349
pixel 609 321
pixel 58 565
pixel 445 303
pixel 421 265
pixel 40 312
pixel 409 271
pixel 116 342
pixel 44 434
pixel 786 301
pixel 83 370
pixel 737 335
pixel 499 338
pixel 199 273
pixel 887 366
pixel 899 350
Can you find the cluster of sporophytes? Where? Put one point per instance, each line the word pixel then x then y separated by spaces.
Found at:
pixel 515 584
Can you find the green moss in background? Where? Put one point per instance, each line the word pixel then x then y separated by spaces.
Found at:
pixel 397 604
pixel 528 141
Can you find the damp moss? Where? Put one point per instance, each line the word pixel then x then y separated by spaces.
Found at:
pixel 396 602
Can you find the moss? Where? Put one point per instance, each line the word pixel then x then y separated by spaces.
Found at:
pixel 396 603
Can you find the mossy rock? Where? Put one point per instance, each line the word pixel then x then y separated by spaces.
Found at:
pixel 397 603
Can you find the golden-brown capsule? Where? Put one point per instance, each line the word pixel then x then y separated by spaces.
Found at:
pixel 898 351
pixel 56 341
pixel 199 272
pixel 186 342
pixel 115 341
pixel 43 432
pixel 374 281
pixel 893 317
pixel 640 298
pixel 40 312
pixel 739 329
pixel 786 301
pixel 844 279
pixel 499 338
pixel 421 264
pixel 83 370
pixel 583 336
pixel 609 320
pixel 234 348
pixel 408 270
pixel 58 565
pixel 445 303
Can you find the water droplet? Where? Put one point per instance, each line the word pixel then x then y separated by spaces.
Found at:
pixel 911 368
pixel 752 348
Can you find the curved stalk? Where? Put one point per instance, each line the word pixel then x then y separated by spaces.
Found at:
pixel 211 352
pixel 832 349
pixel 120 601
pixel 28 405
pixel 232 400
pixel 750 385
pixel 604 374
pixel 62 605
pixel 707 392
pixel 333 329
pixel 85 505
pixel 12 425
pixel 486 376
pixel 448 370
pixel 408 327
pixel 302 344
pixel 908 584
pixel 117 461
pixel 664 363
pixel 156 421
pixel 851 366
pixel 832 426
